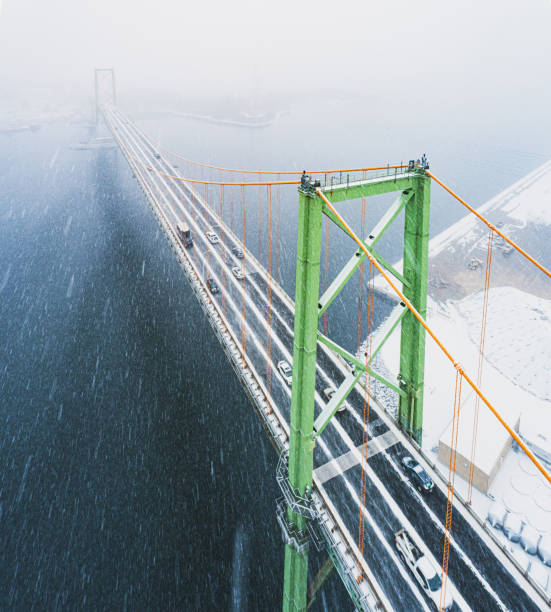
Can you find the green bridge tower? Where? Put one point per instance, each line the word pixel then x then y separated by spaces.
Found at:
pixel 413 186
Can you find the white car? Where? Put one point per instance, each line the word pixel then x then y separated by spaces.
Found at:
pixel 285 371
pixel 238 273
pixel 424 571
pixel 213 238
pixel 329 392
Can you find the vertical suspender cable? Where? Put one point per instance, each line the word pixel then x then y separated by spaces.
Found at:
pixel 360 283
pixel 259 220
pixel 480 360
pixel 194 214
pixel 278 223
pixel 243 242
pixel 231 209
pixel 268 287
pixel 365 432
pixel 326 279
pixel 222 226
pixel 451 482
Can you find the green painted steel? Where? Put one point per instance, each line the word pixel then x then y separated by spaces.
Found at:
pixel 392 326
pixel 358 365
pixel 301 439
pixel 356 260
pixel 387 383
pixel 412 348
pixel 415 198
pixel 389 268
pixel 338 398
pixel 321 577
pixel 370 187
pixel 340 281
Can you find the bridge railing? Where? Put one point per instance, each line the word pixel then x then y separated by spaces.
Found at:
pixel 329 526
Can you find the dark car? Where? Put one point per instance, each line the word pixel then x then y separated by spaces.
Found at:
pixel 213 287
pixel 417 475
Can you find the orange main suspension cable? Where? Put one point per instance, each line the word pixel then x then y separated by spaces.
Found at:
pixel 492 227
pixel 287 172
pixel 438 342
pixel 201 181
pixel 480 359
pixel 451 485
pixel 251 183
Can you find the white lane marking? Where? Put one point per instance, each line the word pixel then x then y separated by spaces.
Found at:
pixel 406 575
pixel 344 436
pixel 418 540
pixel 434 518
pixel 338 466
pixel 323 444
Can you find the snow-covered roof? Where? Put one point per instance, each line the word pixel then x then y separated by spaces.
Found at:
pixel 491 436
pixel 518 336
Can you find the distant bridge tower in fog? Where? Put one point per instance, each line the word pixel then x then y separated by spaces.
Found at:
pixel 106 92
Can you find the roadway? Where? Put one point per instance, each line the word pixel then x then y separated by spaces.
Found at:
pixel 479 577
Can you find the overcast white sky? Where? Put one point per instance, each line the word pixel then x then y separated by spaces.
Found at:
pixel 223 46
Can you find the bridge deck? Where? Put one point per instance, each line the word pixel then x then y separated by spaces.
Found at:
pixel 482 577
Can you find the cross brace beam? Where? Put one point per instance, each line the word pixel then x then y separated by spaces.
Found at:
pixel 355 261
pixel 338 398
pixel 359 368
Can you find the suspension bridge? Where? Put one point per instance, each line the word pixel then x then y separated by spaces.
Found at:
pixel 343 486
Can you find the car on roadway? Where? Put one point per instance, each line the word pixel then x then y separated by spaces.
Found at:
pixel 213 238
pixel 285 371
pixel 238 273
pixel 426 574
pixel 329 392
pixel 417 475
pixel 237 252
pixel 157 156
pixel 184 234
pixel 212 286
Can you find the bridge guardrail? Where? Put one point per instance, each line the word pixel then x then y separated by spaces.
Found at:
pixel 366 594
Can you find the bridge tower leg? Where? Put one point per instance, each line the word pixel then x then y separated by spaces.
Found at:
pixel 100 86
pixel 415 272
pixel 301 439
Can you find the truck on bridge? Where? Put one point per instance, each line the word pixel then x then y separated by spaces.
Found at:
pixel 184 234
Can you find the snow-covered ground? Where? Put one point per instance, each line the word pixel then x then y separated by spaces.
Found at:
pixel 457 255
pixel 526 201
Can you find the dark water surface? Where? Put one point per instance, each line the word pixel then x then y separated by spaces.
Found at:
pixel 127 446
pixel 134 472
